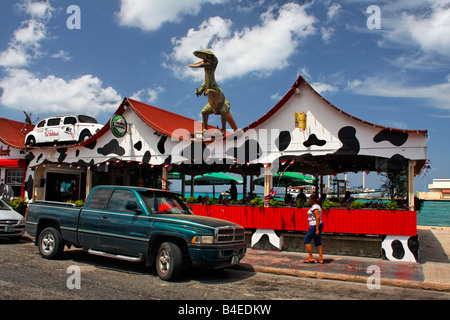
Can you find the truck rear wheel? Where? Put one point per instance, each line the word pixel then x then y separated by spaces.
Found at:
pixel 50 243
pixel 169 261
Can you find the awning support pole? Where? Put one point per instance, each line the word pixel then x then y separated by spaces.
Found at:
pixel 164 177
pixel 411 166
pixel 268 182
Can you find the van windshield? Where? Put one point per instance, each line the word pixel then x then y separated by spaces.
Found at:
pixel 158 202
pixel 86 119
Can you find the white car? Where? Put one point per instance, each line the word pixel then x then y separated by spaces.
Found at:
pixel 12 223
pixel 62 129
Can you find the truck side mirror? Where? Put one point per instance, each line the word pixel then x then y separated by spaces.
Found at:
pixel 133 206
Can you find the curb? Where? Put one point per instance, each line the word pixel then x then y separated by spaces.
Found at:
pixel 444 287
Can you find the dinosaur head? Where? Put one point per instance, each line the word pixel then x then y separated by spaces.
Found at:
pixel 209 60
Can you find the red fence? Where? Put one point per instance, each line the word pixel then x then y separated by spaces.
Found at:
pixel 352 221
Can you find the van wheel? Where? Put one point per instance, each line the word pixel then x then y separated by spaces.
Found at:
pixel 85 135
pixel 50 243
pixel 169 261
pixel 31 141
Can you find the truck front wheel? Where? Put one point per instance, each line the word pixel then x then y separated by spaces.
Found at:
pixel 50 243
pixel 169 261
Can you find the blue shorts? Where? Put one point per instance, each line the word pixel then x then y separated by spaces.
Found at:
pixel 311 233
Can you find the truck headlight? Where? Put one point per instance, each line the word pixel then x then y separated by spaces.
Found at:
pixel 203 240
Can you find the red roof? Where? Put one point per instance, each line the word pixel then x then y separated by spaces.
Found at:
pixel 11 132
pixel 164 121
pixel 161 120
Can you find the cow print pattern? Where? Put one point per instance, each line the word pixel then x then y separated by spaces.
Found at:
pixel 313 140
pixel 111 147
pixel 400 248
pixel 397 138
pixel 350 143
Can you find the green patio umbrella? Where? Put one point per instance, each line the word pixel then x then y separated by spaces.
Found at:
pixel 174 176
pixel 214 179
pixel 287 179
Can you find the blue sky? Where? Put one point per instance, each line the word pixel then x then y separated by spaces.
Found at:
pixel 393 72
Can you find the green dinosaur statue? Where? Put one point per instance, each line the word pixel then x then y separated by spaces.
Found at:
pixel 217 103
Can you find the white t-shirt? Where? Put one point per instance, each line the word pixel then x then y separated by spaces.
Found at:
pixel 312 216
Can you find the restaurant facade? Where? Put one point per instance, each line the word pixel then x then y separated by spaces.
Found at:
pixel 142 144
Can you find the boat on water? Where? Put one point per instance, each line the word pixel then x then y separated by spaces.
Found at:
pixel 357 193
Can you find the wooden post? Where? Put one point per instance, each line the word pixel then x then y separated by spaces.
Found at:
pixel 88 181
pixel 244 186
pixel 183 185
pixel 411 166
pixel 164 177
pixel 268 182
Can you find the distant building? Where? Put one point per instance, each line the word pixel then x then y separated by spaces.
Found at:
pixel 438 190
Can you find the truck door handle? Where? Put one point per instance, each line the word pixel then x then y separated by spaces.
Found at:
pixel 104 217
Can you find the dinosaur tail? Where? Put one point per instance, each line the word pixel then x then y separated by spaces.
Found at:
pixel 231 122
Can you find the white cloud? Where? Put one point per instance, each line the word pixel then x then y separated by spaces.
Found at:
pixel 424 24
pixel 438 95
pixel 327 33
pixel 333 10
pixel 321 87
pixel 149 15
pixel 328 29
pixel 260 49
pixel 61 54
pixel 23 91
pixel 149 95
pixel 25 45
pixel 41 10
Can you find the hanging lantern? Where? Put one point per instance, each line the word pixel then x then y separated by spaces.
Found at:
pixel 300 120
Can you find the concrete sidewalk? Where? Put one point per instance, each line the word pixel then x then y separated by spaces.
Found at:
pixel 431 272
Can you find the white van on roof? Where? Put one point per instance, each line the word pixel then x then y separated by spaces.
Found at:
pixel 62 129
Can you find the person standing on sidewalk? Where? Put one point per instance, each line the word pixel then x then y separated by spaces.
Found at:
pixel 315 229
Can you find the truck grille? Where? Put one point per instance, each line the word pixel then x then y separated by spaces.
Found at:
pixel 9 222
pixel 229 234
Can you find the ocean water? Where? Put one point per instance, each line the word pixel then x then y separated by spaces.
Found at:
pixel 433 213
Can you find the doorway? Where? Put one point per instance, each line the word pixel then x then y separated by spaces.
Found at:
pixel 62 187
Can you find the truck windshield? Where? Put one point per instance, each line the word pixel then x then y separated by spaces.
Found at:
pixel 163 202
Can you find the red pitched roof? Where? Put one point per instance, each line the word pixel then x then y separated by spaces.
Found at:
pixel 11 132
pixel 164 121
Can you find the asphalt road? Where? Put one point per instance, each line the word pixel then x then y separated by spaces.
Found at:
pixel 78 275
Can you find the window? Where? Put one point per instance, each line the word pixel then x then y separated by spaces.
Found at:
pixel 53 122
pixel 70 120
pixel 41 124
pixel 14 177
pixel 119 200
pixel 163 202
pixel 86 119
pixel 100 199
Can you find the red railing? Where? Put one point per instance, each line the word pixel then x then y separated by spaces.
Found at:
pixel 351 221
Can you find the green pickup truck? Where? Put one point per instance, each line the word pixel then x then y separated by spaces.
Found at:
pixel 137 224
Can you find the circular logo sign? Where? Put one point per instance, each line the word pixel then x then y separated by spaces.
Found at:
pixel 118 126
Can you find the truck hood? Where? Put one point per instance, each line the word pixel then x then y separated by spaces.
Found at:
pixel 198 220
